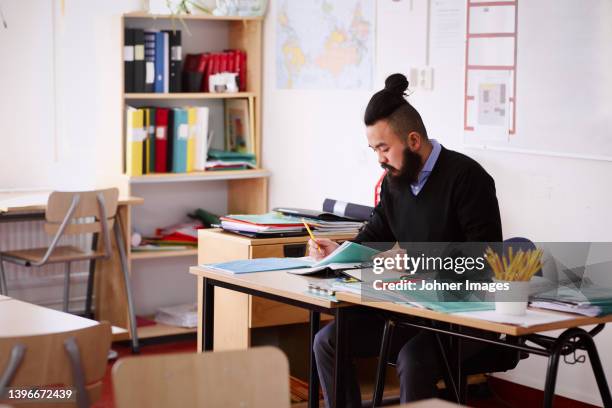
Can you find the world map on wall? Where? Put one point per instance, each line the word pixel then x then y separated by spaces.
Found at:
pixel 325 44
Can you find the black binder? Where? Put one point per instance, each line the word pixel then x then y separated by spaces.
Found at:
pixel 149 38
pixel 349 210
pixel 139 60
pixel 176 60
pixel 128 60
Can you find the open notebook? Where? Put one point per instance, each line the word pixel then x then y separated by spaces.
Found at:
pixel 349 255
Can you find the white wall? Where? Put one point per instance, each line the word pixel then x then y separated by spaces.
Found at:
pixel 60 92
pixel 314 144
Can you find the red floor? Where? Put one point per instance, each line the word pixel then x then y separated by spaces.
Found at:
pixel 503 394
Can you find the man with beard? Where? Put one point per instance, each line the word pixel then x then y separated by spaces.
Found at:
pixel 430 194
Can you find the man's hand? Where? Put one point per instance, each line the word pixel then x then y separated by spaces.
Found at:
pixel 327 247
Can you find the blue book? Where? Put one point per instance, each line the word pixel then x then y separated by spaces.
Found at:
pixel 159 62
pixel 261 265
pixel 180 135
pixel 349 255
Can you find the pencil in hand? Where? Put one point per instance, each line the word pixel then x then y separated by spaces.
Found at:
pixel 312 236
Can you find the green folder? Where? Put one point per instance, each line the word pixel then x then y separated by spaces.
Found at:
pixel 271 218
pixel 348 252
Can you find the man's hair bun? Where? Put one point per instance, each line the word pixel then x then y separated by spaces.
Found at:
pixel 397 84
pixel 384 102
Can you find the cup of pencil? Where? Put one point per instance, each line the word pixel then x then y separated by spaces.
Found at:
pixel 516 270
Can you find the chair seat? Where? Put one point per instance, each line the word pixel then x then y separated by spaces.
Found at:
pixel 60 254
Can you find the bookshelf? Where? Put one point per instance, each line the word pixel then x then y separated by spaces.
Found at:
pixel 190 95
pixel 161 278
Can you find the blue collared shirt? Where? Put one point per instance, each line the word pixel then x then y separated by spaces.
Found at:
pixel 427 168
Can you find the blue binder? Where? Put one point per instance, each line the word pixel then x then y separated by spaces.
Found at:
pixel 159 62
pixel 180 136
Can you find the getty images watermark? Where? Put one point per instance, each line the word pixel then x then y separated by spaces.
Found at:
pixel 476 271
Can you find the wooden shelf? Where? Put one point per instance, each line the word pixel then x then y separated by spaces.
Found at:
pixel 156 330
pixel 200 175
pixel 142 14
pixel 163 254
pixel 188 95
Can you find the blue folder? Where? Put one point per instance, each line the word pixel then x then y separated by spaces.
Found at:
pixel 179 143
pixel 260 265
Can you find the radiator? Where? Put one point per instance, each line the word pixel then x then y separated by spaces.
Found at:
pixel 30 283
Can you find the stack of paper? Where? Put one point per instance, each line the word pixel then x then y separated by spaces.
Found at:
pixel 263 223
pixel 335 227
pixel 587 300
pixel 226 160
pixel 276 222
pixel 180 315
pixel 324 222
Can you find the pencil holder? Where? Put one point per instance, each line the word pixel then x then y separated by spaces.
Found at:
pixel 514 300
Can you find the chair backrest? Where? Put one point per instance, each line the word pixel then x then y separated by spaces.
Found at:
pixel 86 206
pixel 46 362
pixel 378 187
pixel 257 377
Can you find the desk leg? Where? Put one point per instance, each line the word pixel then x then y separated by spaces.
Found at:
pixel 208 314
pixel 313 380
pixel 340 359
pixel 461 383
pixel 128 287
pixel 553 365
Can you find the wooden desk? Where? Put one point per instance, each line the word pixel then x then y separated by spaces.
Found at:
pixel 18 203
pixel 110 294
pixel 573 338
pixel 248 312
pixel 501 328
pixel 278 286
pixel 21 319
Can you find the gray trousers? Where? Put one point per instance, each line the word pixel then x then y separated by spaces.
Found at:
pixel 419 365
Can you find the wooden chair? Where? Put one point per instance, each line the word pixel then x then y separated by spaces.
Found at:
pixel 73 213
pixel 75 359
pixel 257 377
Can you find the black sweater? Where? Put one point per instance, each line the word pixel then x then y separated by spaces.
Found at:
pixel 456 204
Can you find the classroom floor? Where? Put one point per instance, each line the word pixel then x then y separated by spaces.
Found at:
pixel 501 394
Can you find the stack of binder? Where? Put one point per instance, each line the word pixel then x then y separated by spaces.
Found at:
pixel 153 63
pixel 164 140
pixel 152 60
pixel 199 68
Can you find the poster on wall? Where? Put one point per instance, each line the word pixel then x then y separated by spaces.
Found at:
pixel 338 54
pixel 537 78
pixel 490 73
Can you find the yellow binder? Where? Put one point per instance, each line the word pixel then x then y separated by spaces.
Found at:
pixel 135 135
pixel 191 141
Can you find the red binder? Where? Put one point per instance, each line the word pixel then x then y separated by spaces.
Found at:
pixel 161 140
pixel 231 60
pixel 203 68
pixel 241 69
pixel 222 62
